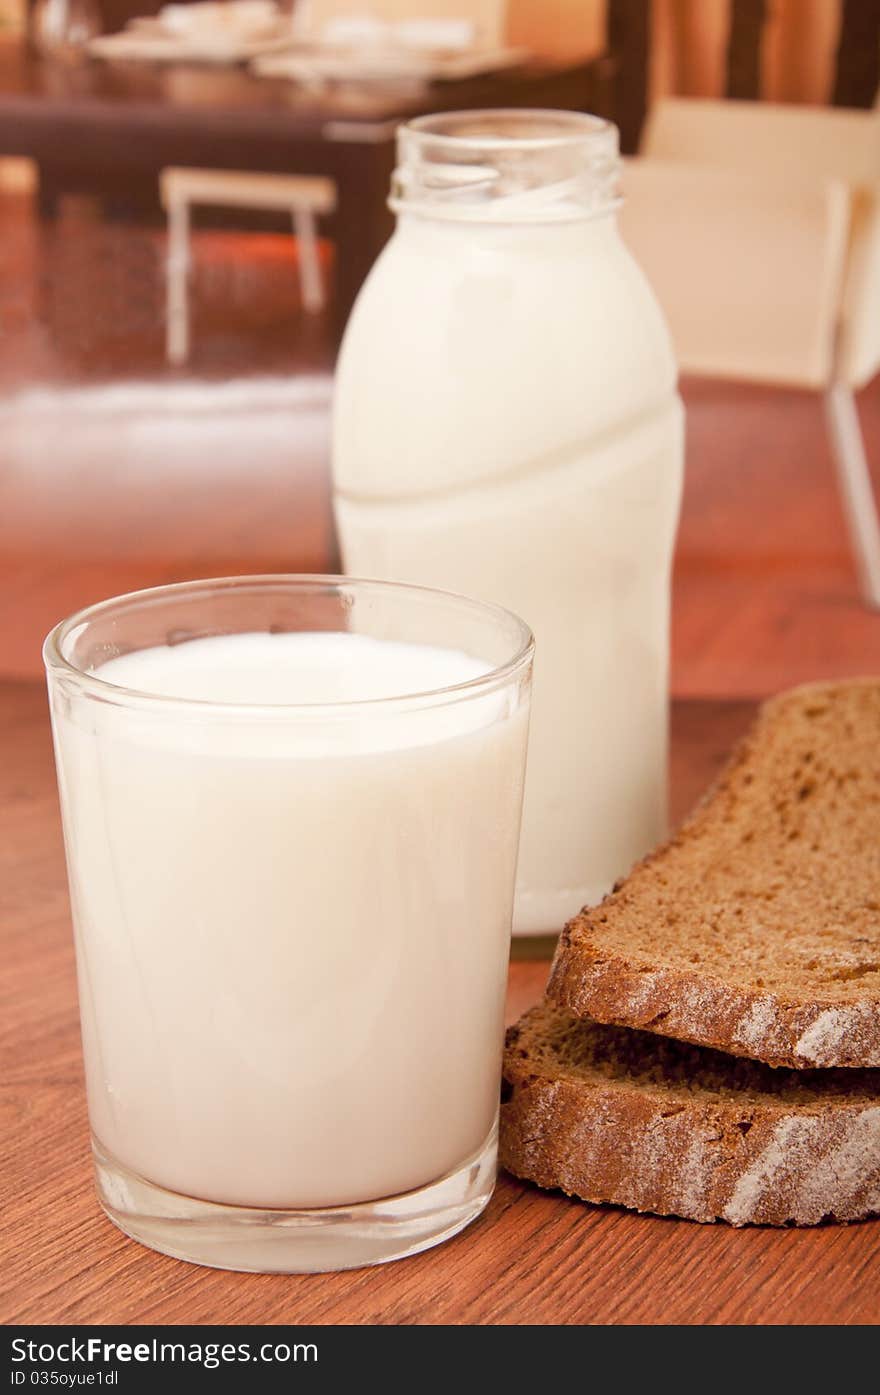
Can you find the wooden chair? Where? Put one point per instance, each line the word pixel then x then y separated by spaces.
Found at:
pixel 759 228
pixel 181 189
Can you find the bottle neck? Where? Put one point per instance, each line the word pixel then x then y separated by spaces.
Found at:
pixel 509 168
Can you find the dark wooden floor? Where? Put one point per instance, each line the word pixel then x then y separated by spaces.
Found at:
pixel 117 472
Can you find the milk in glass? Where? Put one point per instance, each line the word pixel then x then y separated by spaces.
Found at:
pixel 291 936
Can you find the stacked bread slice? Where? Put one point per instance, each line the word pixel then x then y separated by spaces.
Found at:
pixel 709 1043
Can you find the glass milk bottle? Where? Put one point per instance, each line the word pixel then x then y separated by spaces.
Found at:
pixel 507 425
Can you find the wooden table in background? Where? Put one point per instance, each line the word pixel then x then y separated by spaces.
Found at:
pixel 534 1257
pixel 109 127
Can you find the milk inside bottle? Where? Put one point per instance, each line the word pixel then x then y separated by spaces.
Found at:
pixel 507 425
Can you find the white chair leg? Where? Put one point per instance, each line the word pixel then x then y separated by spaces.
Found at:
pixel 854 479
pixel 177 284
pixel 309 262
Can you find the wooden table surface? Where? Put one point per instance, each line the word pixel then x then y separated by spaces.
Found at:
pixel 534 1257
pixel 227 99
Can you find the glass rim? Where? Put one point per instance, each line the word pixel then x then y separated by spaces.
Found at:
pixel 583 126
pixel 520 165
pixel 58 665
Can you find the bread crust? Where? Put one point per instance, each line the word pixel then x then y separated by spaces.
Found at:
pixel 697 1005
pixel 708 1012
pixel 702 1158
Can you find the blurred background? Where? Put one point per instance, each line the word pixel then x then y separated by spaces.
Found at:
pixel 168 340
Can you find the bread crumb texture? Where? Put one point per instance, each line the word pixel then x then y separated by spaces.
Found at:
pixel 756 929
pixel 627 1117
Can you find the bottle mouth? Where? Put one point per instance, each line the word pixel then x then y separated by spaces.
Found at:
pixel 507 166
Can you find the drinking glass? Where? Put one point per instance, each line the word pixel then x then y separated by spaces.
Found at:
pixel 291 917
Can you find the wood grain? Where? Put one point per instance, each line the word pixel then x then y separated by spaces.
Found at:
pixel 532 1258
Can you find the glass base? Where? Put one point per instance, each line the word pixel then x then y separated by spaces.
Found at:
pixel 295 1242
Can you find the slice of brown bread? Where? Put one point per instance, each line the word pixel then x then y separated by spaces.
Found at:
pixel 757 928
pixel 613 1115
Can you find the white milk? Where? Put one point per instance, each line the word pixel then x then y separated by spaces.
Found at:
pixel 291 932
pixel 507 426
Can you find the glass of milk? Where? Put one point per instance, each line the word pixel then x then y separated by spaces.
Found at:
pixel 291 810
